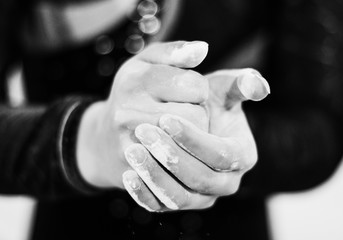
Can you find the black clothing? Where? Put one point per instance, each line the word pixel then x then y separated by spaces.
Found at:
pixel 297 128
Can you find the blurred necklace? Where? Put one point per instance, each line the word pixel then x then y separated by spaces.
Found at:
pixel 115 46
pixel 51 26
pixel 146 24
pixel 151 20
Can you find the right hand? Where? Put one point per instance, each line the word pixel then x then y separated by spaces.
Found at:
pixel 147 86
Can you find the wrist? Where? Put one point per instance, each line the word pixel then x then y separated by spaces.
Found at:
pixel 88 154
pixel 67 146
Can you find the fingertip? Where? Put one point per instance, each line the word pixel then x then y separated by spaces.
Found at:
pixel 131 180
pixel 192 83
pixel 135 154
pixel 189 54
pixel 135 187
pixel 170 124
pixel 163 121
pixel 253 86
pixel 141 129
pixel 148 134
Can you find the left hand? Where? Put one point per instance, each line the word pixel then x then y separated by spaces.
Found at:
pixel 198 166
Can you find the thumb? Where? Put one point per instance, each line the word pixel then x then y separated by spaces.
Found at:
pixel 238 85
pixel 179 54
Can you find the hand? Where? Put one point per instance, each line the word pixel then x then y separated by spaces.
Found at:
pixel 198 166
pixel 228 89
pixel 147 86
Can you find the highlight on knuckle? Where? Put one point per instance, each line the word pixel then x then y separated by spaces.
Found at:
pixel 224 159
pixel 232 188
pixel 197 83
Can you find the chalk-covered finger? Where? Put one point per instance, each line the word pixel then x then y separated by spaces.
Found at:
pixel 140 193
pixel 221 154
pixel 170 84
pixel 235 86
pixel 169 191
pixel 179 54
pixel 189 170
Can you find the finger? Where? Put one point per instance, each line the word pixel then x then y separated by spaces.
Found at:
pixel 170 84
pixel 194 113
pixel 140 193
pixel 179 54
pixel 221 154
pixel 185 167
pixel 170 192
pixel 235 86
pixel 127 119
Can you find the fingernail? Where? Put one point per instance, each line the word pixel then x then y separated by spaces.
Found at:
pixel 147 134
pixel 192 52
pixel 135 154
pixel 171 125
pixel 253 86
pixel 264 86
pixel 131 179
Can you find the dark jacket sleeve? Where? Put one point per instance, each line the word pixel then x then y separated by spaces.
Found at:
pixel 31 151
pixel 298 128
pixel 33 139
pixel 298 148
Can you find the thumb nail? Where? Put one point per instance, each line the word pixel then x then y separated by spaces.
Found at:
pixel 253 86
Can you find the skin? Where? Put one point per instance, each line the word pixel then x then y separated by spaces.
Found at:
pixel 161 113
pixel 172 138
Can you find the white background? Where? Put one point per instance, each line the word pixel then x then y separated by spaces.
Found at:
pixel 314 215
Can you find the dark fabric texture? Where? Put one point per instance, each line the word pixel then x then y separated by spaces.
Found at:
pixel 30 155
pixel 298 128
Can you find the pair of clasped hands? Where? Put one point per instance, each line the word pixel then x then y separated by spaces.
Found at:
pixel 173 138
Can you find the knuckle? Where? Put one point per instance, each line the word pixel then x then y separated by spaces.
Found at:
pixel 209 203
pixel 232 188
pixel 203 184
pixel 250 161
pixel 253 161
pixel 197 83
pixel 224 159
pixel 243 155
